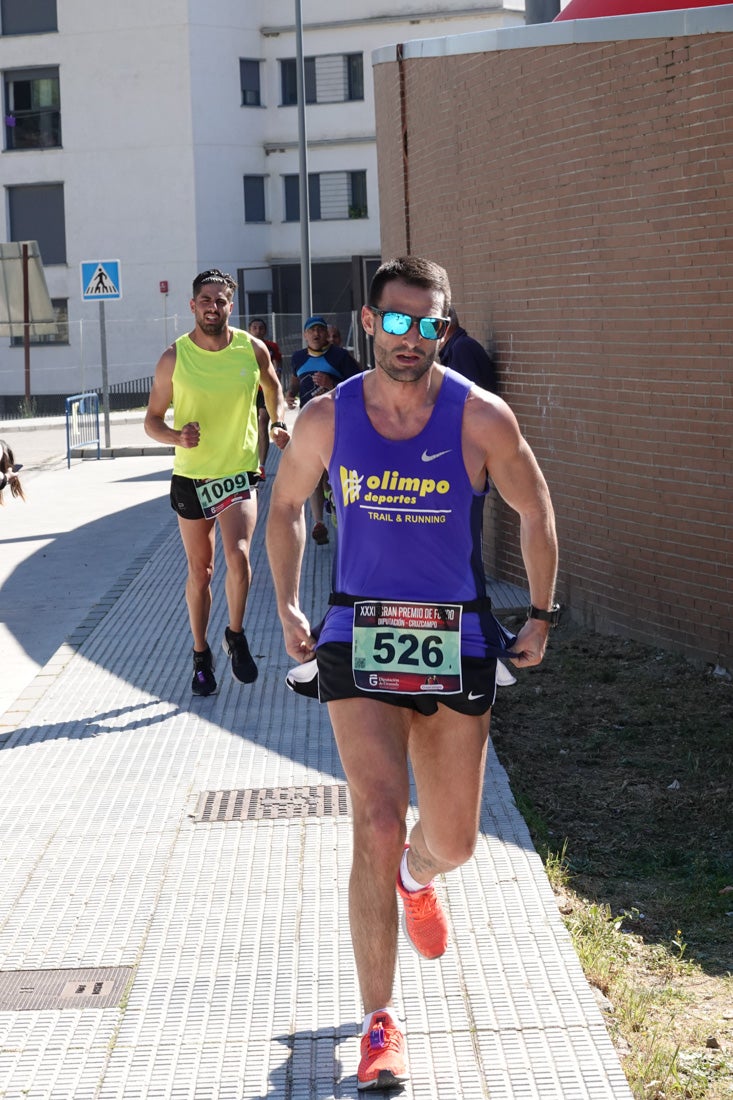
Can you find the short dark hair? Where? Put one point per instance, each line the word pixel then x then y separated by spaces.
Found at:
pixel 413 270
pixel 261 320
pixel 213 275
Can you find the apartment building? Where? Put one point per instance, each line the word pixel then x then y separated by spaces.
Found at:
pixel 165 136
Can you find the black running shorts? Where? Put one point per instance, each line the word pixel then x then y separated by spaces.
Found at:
pixel 184 498
pixel 336 681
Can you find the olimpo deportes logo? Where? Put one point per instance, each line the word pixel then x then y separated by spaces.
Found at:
pixel 388 487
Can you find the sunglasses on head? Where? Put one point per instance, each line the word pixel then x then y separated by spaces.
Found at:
pixel 397 324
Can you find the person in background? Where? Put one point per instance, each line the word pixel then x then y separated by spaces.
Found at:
pixel 334 335
pixel 406 655
pixel 468 357
pixel 211 375
pixel 461 352
pixel 258 328
pixel 316 369
pixel 9 472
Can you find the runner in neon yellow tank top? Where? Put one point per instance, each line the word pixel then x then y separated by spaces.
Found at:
pixel 212 375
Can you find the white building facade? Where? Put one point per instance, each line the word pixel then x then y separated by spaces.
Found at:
pixel 165 136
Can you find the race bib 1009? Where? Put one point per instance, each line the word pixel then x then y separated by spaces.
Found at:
pixel 218 493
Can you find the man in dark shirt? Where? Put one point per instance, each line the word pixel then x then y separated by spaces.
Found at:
pixel 315 369
pixel 464 354
pixel 320 365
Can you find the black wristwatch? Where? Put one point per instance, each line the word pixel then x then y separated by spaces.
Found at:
pixel 552 616
pixel 278 424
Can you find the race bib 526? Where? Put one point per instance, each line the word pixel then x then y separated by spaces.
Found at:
pixel 407 647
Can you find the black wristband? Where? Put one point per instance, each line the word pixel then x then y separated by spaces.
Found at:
pixel 278 424
pixel 552 616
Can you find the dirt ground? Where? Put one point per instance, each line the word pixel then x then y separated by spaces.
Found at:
pixel 621 757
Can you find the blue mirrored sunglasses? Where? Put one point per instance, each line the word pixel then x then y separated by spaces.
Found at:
pixel 397 324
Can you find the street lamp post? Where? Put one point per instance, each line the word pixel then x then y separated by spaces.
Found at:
pixel 305 247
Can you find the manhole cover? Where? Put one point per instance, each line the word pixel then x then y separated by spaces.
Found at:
pixel 31 990
pixel 273 803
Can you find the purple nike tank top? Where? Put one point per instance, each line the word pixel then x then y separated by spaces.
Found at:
pixel 409 520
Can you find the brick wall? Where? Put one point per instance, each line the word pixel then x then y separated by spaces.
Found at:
pixel 581 198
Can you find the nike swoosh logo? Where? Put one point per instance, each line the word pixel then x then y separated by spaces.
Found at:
pixel 472 695
pixel 429 458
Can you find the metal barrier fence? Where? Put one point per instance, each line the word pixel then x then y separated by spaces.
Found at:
pixel 134 346
pixel 82 423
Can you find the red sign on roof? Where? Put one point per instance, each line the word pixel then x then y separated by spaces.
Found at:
pixel 597 9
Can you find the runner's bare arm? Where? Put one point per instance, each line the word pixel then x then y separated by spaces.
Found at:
pixel 514 471
pixel 271 388
pixel 300 469
pixel 293 391
pixel 161 394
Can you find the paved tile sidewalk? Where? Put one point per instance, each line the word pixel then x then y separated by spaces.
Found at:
pixel 241 981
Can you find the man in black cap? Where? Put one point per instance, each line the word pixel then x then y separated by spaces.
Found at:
pixel 315 369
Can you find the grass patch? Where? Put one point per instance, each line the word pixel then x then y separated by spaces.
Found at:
pixel 620 759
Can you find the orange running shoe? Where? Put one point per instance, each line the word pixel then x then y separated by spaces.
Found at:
pixel 382 1064
pixel 423 920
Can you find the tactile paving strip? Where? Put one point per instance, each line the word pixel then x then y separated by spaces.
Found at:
pixel 244 982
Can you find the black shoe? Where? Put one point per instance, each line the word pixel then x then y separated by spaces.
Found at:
pixel 243 667
pixel 204 681
pixel 320 534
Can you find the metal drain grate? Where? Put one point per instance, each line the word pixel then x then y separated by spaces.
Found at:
pixel 32 990
pixel 273 803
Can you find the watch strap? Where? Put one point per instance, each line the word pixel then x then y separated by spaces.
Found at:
pixel 551 616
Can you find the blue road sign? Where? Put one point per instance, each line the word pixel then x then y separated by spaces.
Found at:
pixel 100 280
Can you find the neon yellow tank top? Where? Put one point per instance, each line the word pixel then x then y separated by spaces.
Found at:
pixel 219 390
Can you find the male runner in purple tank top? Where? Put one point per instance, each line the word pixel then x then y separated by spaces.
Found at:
pixel 407 652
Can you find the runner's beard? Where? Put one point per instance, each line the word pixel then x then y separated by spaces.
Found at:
pixel 213 328
pixel 405 374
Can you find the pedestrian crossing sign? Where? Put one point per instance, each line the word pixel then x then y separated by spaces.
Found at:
pixel 100 280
